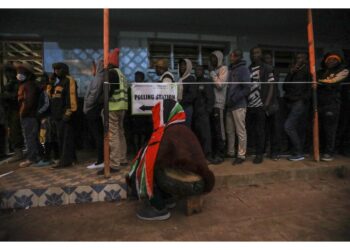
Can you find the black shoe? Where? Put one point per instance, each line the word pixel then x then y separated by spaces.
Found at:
pixel 112 170
pixel 327 157
pixel 150 213
pixel 238 161
pixel 219 159
pixel 170 203
pixel 275 157
pixel 258 159
pixel 213 161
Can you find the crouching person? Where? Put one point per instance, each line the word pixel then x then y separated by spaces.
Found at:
pixel 173 151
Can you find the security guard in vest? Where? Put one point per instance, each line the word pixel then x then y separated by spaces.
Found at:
pixel 118 105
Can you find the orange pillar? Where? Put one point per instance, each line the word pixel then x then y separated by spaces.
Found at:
pixel 312 60
pixel 106 91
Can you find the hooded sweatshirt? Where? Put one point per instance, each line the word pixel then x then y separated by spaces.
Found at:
pixel 329 86
pixel 219 75
pixel 186 93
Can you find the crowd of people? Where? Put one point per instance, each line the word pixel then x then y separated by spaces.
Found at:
pixel 227 107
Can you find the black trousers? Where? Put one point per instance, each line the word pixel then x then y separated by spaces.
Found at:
pixel 273 133
pixel 218 132
pixel 66 142
pixel 328 121
pixel 2 140
pixel 343 132
pixel 201 125
pixel 255 120
pixel 96 130
pixel 16 136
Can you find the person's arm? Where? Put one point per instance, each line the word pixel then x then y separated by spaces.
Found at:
pixel 46 104
pixel 29 97
pixel 337 78
pixel 220 77
pixel 71 98
pixel 270 79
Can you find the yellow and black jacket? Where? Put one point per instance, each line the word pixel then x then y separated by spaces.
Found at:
pixel 64 101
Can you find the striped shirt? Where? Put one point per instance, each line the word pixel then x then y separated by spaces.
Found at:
pixel 254 98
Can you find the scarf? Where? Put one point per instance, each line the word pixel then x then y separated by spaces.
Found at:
pixel 164 114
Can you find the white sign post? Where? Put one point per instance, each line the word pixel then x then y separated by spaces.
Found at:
pixel 145 95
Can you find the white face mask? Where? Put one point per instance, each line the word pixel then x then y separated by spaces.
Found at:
pixel 20 77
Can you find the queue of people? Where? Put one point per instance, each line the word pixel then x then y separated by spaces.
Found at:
pixel 229 109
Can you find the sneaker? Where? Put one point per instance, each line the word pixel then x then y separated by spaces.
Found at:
pixel 296 158
pixel 258 159
pixel 95 165
pixel 170 203
pixel 42 163
pixel 327 157
pixel 25 164
pixel 150 213
pixel 112 170
pixel 238 161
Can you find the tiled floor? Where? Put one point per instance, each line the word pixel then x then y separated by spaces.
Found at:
pixel 32 187
pixel 46 177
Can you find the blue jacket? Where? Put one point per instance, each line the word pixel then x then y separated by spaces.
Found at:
pixel 237 94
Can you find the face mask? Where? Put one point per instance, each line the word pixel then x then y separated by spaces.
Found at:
pixel 20 77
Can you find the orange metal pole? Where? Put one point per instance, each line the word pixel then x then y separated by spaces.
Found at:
pixel 312 60
pixel 106 91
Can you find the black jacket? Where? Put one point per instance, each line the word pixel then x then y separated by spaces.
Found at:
pixel 296 92
pixel 269 92
pixel 189 92
pixel 205 98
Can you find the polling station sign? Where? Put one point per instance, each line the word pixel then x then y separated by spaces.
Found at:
pixel 145 95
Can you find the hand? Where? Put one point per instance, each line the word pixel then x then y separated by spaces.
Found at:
pixel 212 74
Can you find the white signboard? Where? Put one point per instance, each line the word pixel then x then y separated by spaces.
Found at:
pixel 145 95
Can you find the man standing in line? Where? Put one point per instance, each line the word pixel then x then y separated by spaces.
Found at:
pixel 297 97
pixel 118 105
pixel 260 100
pixel 163 72
pixel 236 104
pixel 63 109
pixel 219 75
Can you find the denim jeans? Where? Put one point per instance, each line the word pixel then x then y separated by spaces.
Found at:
pixel 31 131
pixel 292 124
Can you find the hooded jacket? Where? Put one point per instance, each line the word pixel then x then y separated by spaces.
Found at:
pixel 329 82
pixel 28 98
pixel 237 94
pixel 92 99
pixel 219 75
pixel 186 92
pixel 64 100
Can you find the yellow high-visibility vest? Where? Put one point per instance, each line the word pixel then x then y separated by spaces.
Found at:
pixel 119 100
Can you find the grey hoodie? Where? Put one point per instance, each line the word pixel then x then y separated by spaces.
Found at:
pixel 219 75
pixel 94 91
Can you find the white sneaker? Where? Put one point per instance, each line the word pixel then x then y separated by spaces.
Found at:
pixel 94 166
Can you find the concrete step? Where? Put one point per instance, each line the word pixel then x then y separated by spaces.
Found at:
pixel 35 187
